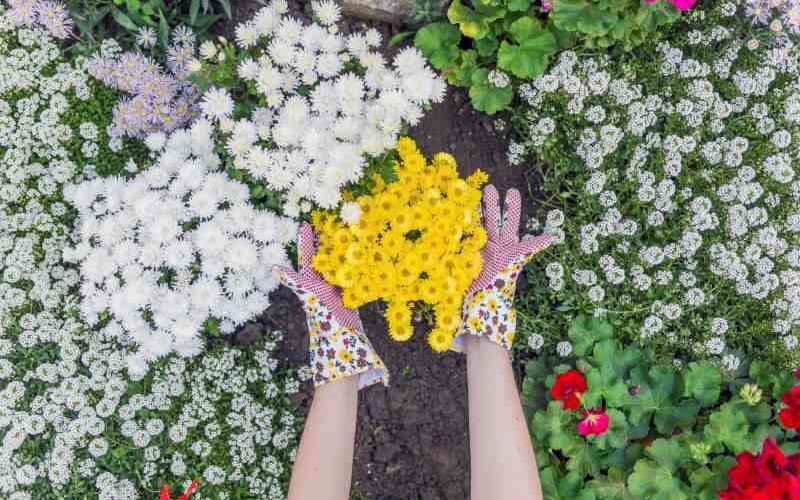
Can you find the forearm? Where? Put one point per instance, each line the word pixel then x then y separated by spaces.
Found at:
pixel 503 465
pixel 324 463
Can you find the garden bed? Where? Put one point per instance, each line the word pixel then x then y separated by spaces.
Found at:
pixel 412 439
pixel 144 337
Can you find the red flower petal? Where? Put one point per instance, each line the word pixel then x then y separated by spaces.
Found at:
pixel 567 388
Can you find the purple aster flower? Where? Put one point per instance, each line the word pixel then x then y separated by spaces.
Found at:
pixel 53 16
pixel 759 11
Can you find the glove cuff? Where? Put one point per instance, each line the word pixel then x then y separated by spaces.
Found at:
pixel 336 350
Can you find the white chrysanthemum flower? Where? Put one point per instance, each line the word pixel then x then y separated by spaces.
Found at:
pixel 217 103
pixel 350 213
pixel 327 12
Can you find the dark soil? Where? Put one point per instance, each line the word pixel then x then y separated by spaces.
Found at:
pixel 412 438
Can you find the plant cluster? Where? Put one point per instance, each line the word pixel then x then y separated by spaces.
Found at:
pixel 673 175
pixel 313 105
pixel 158 101
pixel 416 239
pixel 609 423
pixel 486 45
pixel 173 247
pixel 143 23
pixel 76 423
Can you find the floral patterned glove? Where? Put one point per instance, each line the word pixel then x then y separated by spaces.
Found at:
pixel 488 309
pixel 337 344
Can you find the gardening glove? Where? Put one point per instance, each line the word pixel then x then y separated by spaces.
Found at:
pixel 337 344
pixel 488 309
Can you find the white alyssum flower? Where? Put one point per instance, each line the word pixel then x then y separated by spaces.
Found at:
pixel 680 217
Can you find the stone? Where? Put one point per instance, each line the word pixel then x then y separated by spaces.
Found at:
pixel 389 11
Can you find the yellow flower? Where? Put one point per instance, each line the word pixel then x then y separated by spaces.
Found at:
pixel 440 340
pixel 478 179
pixel 418 239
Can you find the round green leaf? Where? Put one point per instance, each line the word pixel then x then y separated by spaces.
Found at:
pixel 702 382
pixel 439 43
pixel 485 96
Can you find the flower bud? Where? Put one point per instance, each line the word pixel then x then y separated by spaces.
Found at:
pixel 751 394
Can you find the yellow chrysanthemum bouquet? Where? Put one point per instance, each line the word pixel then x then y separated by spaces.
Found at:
pixel 416 240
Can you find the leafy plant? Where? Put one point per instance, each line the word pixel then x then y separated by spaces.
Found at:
pixel 517 38
pixel 672 432
pixel 426 11
pixel 126 20
pixel 606 23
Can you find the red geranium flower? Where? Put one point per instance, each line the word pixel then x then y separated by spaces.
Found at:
pixel 790 416
pixel 568 388
pixel 165 495
pixel 768 476
pixel 594 422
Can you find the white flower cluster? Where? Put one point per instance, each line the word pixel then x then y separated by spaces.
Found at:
pixel 689 215
pixel 172 247
pixel 73 423
pixel 331 102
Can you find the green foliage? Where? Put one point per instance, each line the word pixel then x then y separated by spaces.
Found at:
pixel 517 38
pixel 612 22
pixel 123 19
pixel 673 432
pixel 426 11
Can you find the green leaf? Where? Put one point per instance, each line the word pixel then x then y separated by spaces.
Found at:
pixel 657 399
pixel 611 486
pixel 133 5
pixel 471 24
pixel 226 6
pixel 194 9
pixel 461 75
pixel 557 487
pixel 519 5
pixel 605 385
pixel 617 434
pixel 668 452
pixel 609 353
pixel 530 57
pixel 485 96
pixel 702 382
pixel 525 28
pixel 123 20
pixel 439 43
pixel 399 38
pixel 652 15
pixel 729 427
pixel 486 46
pixel 655 482
pixel 586 330
pixel 583 459
pixel 554 428
pixel 584 16
pixel 534 387
pixel 163 29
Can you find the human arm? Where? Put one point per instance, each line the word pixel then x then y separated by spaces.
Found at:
pixel 502 462
pixel 324 463
pixel 342 361
pixel 503 465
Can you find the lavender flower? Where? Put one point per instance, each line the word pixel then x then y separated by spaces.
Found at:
pixel 51 15
pixel 158 101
